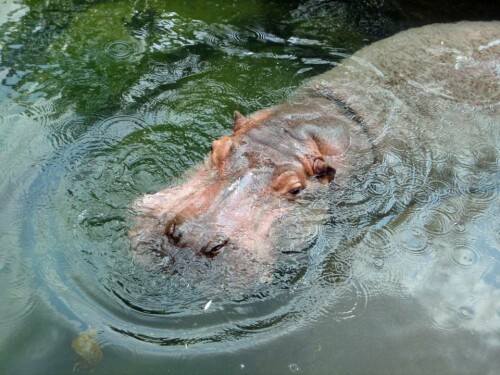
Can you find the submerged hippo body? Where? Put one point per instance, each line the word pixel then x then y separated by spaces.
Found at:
pixel 405 108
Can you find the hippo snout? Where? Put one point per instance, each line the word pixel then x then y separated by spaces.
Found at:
pixel 209 244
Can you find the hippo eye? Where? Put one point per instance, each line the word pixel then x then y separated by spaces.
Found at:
pixel 289 183
pixel 296 190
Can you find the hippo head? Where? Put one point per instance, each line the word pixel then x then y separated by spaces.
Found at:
pixel 263 187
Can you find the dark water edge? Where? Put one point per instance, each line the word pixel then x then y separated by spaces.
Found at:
pixel 99 104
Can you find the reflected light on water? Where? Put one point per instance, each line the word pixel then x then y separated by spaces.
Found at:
pixel 406 251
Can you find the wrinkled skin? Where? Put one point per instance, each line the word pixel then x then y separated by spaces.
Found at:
pixel 276 167
pixel 268 182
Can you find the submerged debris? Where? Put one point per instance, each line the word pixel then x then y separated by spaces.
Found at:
pixel 87 347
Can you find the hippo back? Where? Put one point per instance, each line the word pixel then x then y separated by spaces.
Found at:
pixel 431 93
pixel 429 99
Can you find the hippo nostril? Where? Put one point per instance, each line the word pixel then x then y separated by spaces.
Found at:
pixel 172 231
pixel 214 247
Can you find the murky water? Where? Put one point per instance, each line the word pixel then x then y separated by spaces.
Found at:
pixel 103 102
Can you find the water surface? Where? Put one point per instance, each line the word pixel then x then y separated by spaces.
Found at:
pixel 101 102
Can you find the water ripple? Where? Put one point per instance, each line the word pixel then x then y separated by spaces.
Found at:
pixel 443 316
pixel 380 244
pixel 414 241
pixel 19 299
pixel 464 256
pixel 79 210
pixel 42 112
pixel 351 301
pixel 436 221
pixel 121 49
pixel 161 75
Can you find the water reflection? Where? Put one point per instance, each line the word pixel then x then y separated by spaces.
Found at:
pixel 101 103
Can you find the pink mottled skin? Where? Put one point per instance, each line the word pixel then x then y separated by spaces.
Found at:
pixel 259 177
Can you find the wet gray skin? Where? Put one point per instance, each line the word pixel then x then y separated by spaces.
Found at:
pixel 413 106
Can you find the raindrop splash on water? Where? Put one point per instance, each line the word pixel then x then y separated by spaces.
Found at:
pixel 124 50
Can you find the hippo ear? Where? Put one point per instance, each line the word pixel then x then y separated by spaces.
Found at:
pixel 239 121
pixel 323 171
pixel 221 148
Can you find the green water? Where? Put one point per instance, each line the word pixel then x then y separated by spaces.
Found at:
pixel 103 101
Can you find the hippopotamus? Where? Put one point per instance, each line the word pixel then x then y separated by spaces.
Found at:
pixel 406 107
